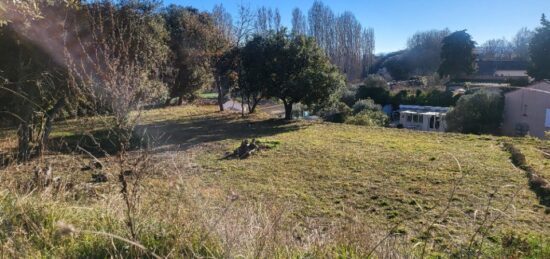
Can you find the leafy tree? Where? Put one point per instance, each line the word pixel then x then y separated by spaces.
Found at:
pixel 192 34
pixel 540 51
pixel 254 75
pixel 227 68
pixel 478 113
pixel 293 69
pixel 33 89
pixel 33 81
pixel 457 55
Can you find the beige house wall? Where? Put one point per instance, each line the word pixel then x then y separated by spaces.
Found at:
pixel 527 106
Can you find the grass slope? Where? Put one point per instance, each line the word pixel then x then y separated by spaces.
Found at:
pixel 385 176
pixel 322 190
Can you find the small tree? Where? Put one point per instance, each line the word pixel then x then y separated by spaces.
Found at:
pixel 457 55
pixel 478 113
pixel 192 34
pixel 539 51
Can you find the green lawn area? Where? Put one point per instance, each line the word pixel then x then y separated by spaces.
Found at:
pixel 212 95
pixel 324 190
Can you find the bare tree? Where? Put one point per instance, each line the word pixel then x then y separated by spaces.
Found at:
pixel 367 50
pixel 497 49
pixel 342 37
pixel 277 20
pixel 348 33
pixel 322 26
pixel 223 21
pixel 267 20
pixel 521 42
pixel 299 23
pixel 117 60
pixel 244 25
pixel 423 52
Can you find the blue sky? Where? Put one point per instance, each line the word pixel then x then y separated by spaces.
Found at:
pixel 394 21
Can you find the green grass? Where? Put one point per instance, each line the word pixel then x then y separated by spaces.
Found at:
pixel 320 190
pixel 383 176
pixel 208 95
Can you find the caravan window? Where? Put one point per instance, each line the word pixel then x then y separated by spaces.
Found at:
pixel 415 118
pixel 421 118
pixel 409 118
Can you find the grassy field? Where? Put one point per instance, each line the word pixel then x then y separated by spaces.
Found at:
pixel 538 155
pixel 321 190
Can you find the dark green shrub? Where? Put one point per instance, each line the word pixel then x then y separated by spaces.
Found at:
pixel 349 96
pixel 337 112
pixel 478 113
pixel 375 88
pixel 522 81
pixel 366 105
pixel 369 118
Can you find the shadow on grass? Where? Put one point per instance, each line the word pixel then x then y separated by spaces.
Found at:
pixel 175 134
pixel 99 143
pixel 186 134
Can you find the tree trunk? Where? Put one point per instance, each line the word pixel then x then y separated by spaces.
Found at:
pixel 50 117
pixel 252 107
pixel 24 132
pixel 180 100
pixel 288 110
pixel 242 105
pixel 220 96
pixel 24 140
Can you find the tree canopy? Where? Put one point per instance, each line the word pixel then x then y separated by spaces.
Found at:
pixel 457 55
pixel 539 51
pixel 292 68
